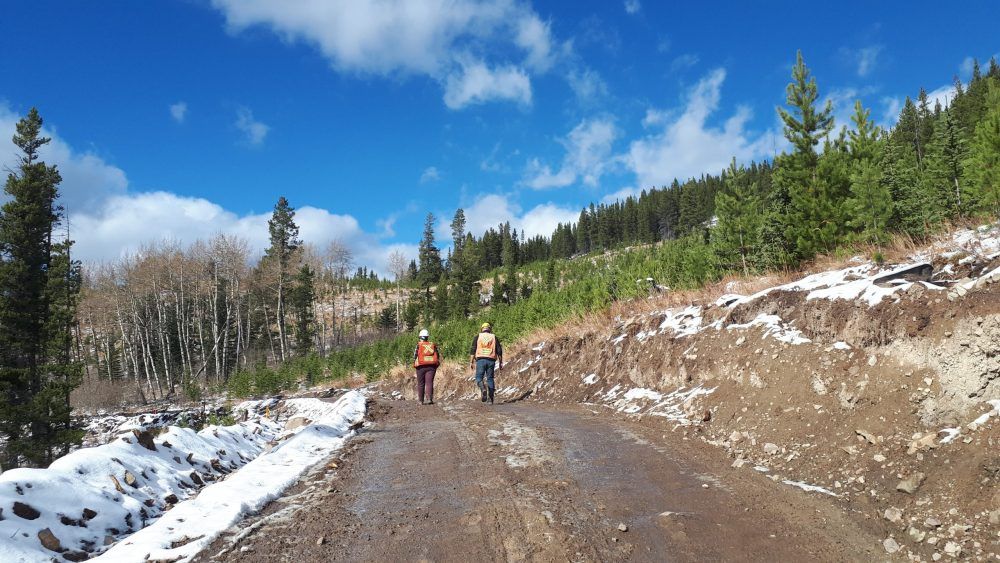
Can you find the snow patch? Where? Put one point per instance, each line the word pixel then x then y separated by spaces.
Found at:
pixel 119 487
pixel 775 328
pixel 194 524
pixel 810 488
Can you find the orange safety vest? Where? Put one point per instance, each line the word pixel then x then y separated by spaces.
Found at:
pixel 486 346
pixel 427 355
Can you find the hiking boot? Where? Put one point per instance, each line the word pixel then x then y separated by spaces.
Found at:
pixel 483 389
pixel 491 396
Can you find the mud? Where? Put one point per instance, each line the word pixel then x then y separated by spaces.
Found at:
pixel 463 481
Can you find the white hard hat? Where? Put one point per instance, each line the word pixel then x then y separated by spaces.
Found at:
pixel 424 333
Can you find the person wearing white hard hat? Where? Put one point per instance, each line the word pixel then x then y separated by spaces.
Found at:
pixel 426 360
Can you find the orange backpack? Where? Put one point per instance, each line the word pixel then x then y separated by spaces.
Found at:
pixel 427 355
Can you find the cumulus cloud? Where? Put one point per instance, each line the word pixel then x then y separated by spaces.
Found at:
pixel 632 6
pixel 587 85
pixel 490 210
pixel 442 39
pixel 254 131
pixel 476 83
pixel 588 156
pixel 942 95
pixel 127 222
pixel 109 221
pixel 430 174
pixel 179 111
pixel 86 179
pixel 682 144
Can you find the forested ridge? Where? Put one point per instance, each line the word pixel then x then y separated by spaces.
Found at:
pixel 176 322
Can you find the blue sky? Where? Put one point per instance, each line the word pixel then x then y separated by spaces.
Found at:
pixel 180 119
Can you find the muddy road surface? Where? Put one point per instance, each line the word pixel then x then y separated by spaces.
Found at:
pixel 529 481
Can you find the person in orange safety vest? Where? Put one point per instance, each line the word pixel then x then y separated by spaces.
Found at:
pixel 426 360
pixel 486 356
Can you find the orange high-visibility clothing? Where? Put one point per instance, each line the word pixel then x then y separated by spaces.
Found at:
pixel 427 355
pixel 486 346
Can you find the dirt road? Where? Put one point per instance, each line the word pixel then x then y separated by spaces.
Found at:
pixel 531 481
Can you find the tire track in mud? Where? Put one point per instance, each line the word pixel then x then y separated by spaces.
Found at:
pixel 533 482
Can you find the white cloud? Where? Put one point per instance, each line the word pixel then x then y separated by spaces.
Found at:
pixel 430 174
pixel 867 58
pixel 535 37
pixel 179 111
pixel 108 221
pixel 942 95
pixel 890 112
pixel 254 131
pixel 86 179
pixel 632 6
pixel 475 83
pixel 621 195
pixel 684 145
pixel 435 38
pixel 684 62
pixel 128 221
pixel 587 85
pixel 588 156
pixel 493 209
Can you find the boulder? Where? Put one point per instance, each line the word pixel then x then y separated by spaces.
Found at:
pixel 50 541
pixel 922 444
pixel 910 484
pixel 130 480
pixel 26 511
pixel 145 439
pixel 953 549
pixel 893 515
pixel 297 422
pixel 890 545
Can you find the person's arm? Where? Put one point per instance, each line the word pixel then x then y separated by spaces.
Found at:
pixel 472 351
pixel 499 354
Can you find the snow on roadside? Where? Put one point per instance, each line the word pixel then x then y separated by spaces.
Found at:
pixel 95 496
pixel 773 327
pixel 674 406
pixel 194 524
pixel 810 488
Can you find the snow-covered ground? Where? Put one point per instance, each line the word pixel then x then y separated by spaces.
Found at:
pixel 170 501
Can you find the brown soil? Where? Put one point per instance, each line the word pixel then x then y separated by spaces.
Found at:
pixel 463 481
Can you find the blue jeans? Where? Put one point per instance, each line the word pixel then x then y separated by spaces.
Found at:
pixel 484 368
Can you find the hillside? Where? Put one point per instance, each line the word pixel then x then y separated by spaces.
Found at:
pixel 873 384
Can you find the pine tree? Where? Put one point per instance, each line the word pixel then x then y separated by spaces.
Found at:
pixel 40 285
pixel 284 234
pixel 942 173
pixel 509 257
pixel 870 203
pixel 812 218
pixel 551 276
pixel 430 266
pixel 982 167
pixel 301 297
pixel 738 208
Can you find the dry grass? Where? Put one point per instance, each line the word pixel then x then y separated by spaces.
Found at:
pixel 95 394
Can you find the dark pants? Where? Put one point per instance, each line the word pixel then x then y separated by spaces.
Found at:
pixel 425 382
pixel 484 369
